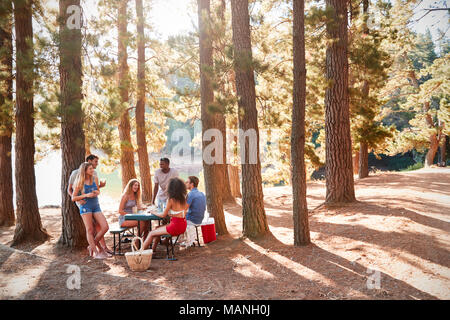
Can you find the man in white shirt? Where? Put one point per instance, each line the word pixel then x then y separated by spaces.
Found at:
pixel 162 179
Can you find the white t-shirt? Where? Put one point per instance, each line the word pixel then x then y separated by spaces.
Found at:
pixel 163 179
pixel 74 174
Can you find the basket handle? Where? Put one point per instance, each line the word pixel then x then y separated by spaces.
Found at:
pixel 134 247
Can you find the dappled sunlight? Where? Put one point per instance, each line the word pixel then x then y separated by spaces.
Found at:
pixel 249 269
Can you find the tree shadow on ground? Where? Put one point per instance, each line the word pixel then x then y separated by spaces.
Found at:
pixel 348 276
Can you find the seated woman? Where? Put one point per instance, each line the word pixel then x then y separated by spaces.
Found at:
pixel 131 197
pixel 85 188
pixel 176 208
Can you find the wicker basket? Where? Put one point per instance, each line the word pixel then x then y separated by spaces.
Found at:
pixel 138 259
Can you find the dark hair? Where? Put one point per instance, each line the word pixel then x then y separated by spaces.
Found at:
pixel 194 180
pixel 177 190
pixel 166 160
pixel 91 157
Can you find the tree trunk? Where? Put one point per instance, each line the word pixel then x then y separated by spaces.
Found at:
pixel 300 207
pixel 29 226
pixel 339 171
pixel 144 166
pixel 227 195
pixel 431 154
pixel 443 149
pixel 212 172
pixel 235 181
pixel 363 160
pixel 363 171
pixel 356 163
pixel 73 141
pixel 126 147
pixel 6 116
pixel 254 217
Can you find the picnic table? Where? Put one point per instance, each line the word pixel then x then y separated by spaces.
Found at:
pixel 142 215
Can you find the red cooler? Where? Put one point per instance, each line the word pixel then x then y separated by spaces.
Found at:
pixel 209 232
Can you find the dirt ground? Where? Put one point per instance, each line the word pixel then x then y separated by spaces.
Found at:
pixel 393 243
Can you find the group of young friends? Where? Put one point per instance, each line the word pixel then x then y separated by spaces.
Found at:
pixel 170 195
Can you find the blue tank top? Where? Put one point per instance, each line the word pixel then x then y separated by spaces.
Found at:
pixel 88 188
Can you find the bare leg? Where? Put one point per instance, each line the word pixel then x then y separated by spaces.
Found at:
pixel 155 234
pixel 87 220
pixel 101 221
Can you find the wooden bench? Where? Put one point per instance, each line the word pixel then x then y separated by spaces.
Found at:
pixel 170 245
pixel 120 232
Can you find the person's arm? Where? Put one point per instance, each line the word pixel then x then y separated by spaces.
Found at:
pixel 155 192
pixel 81 196
pixel 97 191
pixel 166 211
pixel 123 200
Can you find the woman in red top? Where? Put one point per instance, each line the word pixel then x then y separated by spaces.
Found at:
pixel 176 208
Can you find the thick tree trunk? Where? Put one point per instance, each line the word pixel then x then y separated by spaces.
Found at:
pixel 363 160
pixel 300 207
pixel 212 172
pixel 6 116
pixel 73 141
pixel 227 195
pixel 29 226
pixel 254 217
pixel 339 171
pixel 126 146
pixel 144 166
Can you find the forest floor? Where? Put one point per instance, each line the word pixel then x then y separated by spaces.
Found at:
pixel 393 243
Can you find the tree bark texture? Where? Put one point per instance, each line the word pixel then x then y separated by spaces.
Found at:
pixel 235 181
pixel 363 171
pixel 126 146
pixel 298 168
pixel 212 172
pixel 28 226
pixel 254 216
pixel 339 171
pixel 73 234
pixel 227 195
pixel 356 163
pixel 7 217
pixel 144 166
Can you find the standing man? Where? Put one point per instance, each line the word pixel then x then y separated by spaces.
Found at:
pixel 162 178
pixel 196 201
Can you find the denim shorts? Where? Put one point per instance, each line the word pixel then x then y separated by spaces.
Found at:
pixel 85 209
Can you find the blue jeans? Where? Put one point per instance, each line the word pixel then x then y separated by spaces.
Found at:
pixel 161 204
